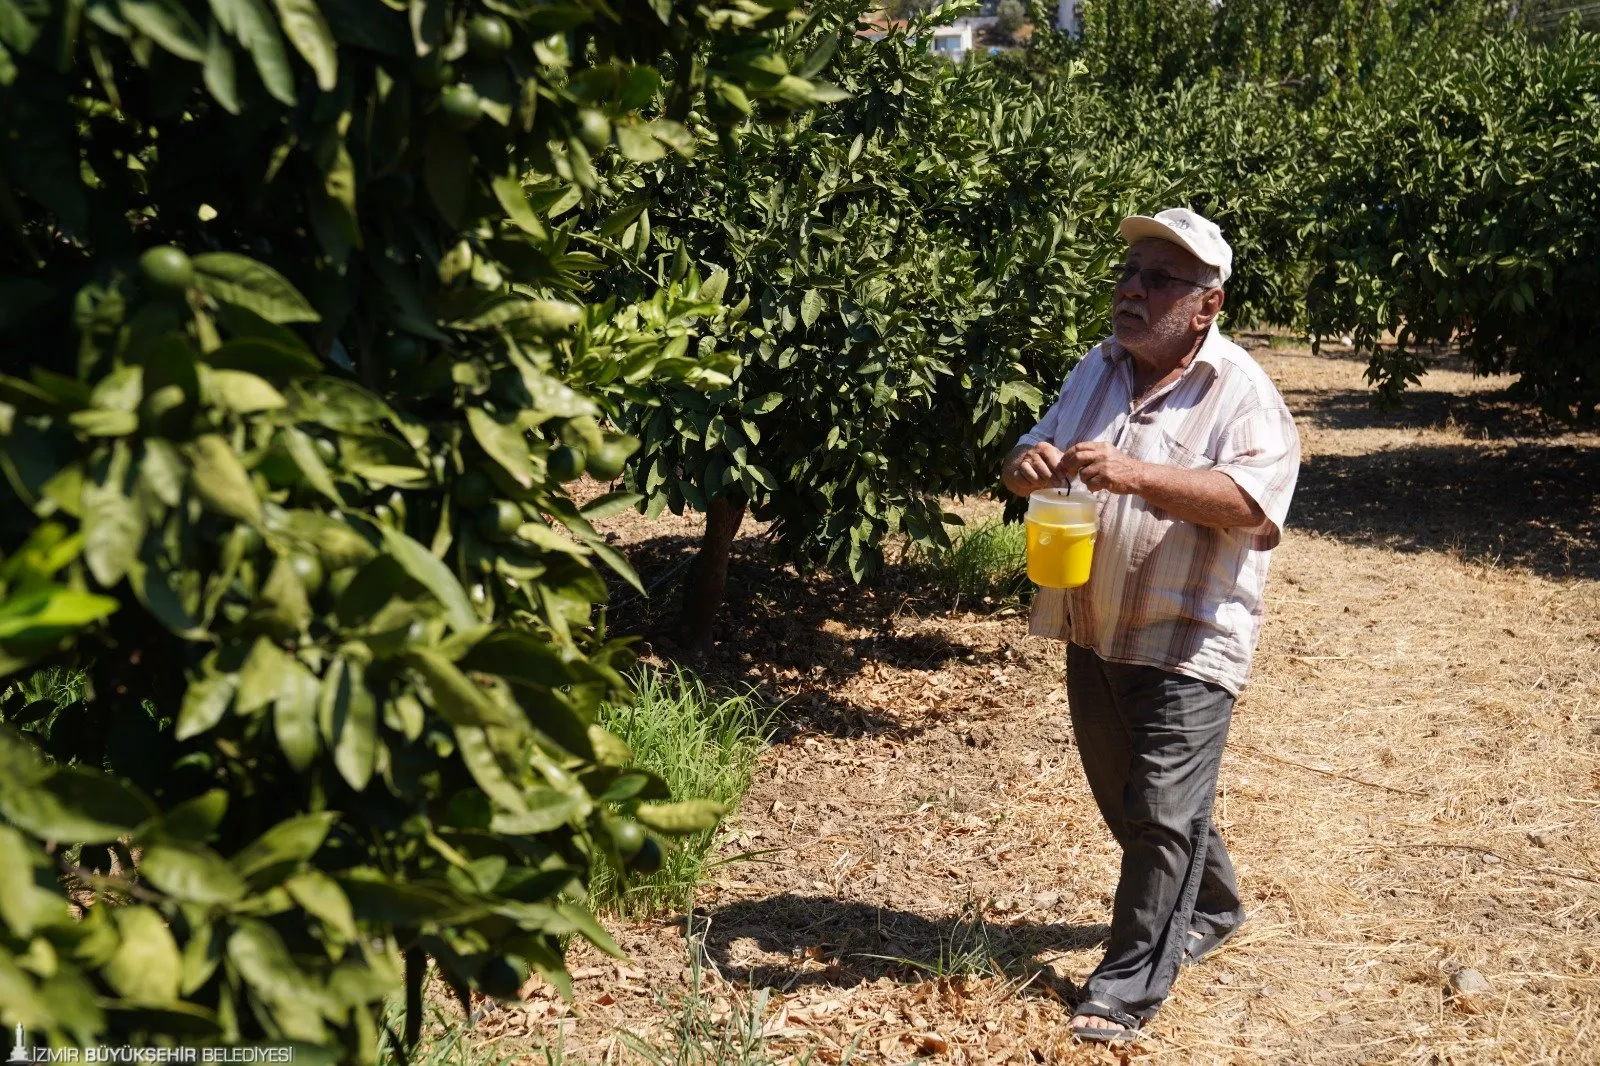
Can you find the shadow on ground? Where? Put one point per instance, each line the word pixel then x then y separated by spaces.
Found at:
pixel 1529 505
pixel 1496 415
pixel 796 638
pixel 855 942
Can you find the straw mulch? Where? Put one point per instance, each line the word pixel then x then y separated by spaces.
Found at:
pixel 1412 789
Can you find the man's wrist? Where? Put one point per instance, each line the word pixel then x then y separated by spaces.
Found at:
pixel 1145 476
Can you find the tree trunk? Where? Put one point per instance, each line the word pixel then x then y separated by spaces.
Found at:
pixel 708 577
pixel 416 967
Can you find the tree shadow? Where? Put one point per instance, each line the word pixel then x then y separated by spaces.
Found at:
pixel 1530 505
pixel 796 638
pixel 841 943
pixel 1487 415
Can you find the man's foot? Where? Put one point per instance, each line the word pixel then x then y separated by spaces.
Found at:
pixel 1201 945
pixel 1097 1022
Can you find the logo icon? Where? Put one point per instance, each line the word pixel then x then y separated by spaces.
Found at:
pixel 19 1050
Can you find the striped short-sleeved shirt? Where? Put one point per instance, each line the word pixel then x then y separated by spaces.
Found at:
pixel 1162 591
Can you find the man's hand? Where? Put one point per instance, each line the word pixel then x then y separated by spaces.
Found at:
pixel 1101 467
pixel 1027 470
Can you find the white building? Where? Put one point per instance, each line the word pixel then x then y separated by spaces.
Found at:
pixel 1069 16
pixel 952 42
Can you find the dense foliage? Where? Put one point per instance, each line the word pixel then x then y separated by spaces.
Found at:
pixel 296 371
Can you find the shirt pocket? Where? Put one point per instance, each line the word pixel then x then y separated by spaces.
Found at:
pixel 1184 456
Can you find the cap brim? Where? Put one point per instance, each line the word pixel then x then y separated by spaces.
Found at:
pixel 1136 228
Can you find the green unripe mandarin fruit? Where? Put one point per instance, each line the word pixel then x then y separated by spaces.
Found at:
pixel 432 72
pixel 459 104
pixel 472 489
pixel 607 463
pixel 308 568
pixel 166 272
pixel 648 859
pixel 566 463
pixel 594 129
pixel 628 836
pixel 488 37
pixel 328 450
pixel 498 522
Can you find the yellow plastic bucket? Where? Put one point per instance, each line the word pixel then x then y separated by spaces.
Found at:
pixel 1061 529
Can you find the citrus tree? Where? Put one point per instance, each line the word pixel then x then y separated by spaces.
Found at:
pixel 297 361
pixel 1461 204
pixel 912 273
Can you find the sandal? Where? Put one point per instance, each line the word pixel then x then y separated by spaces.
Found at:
pixel 1101 1035
pixel 1202 945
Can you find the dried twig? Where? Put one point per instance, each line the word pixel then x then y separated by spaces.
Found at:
pixel 1328 773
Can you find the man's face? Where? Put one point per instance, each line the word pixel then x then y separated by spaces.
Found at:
pixel 1157 317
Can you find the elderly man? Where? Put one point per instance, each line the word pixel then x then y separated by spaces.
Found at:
pixel 1193 457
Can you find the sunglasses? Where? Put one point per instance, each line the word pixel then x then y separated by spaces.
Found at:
pixel 1150 277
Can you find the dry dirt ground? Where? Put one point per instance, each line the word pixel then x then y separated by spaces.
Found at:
pixel 1412 788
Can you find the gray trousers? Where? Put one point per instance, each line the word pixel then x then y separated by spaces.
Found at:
pixel 1151 742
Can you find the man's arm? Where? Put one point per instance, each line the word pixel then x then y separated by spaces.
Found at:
pixel 1204 497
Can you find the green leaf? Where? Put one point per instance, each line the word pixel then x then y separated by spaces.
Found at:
pixel 113 526
pixel 473 745
pixel 584 922
pixel 242 392
pixel 305 456
pixel 433 575
pixel 259 954
pixel 811 306
pixel 220 479
pixel 240 281
pixel 99 422
pixel 609 504
pixel 321 896
pixel 308 31
pixel 349 722
pixel 50 611
pixel 762 404
pixel 261 676
pixel 220 78
pixel 504 443
pixel 191 873
pixel 168 24
pixel 455 697
pixel 678 819
pixel 146 968
pixel 508 190
pixel 547 809
pixel 204 703
pixel 294 715
pixel 194 820
pixel 264 357
pixel 287 844
pixel 75 805
pixel 256 29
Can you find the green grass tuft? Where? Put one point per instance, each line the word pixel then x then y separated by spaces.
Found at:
pixel 703 747
pixel 987 565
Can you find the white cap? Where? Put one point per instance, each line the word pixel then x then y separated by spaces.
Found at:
pixel 1196 233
